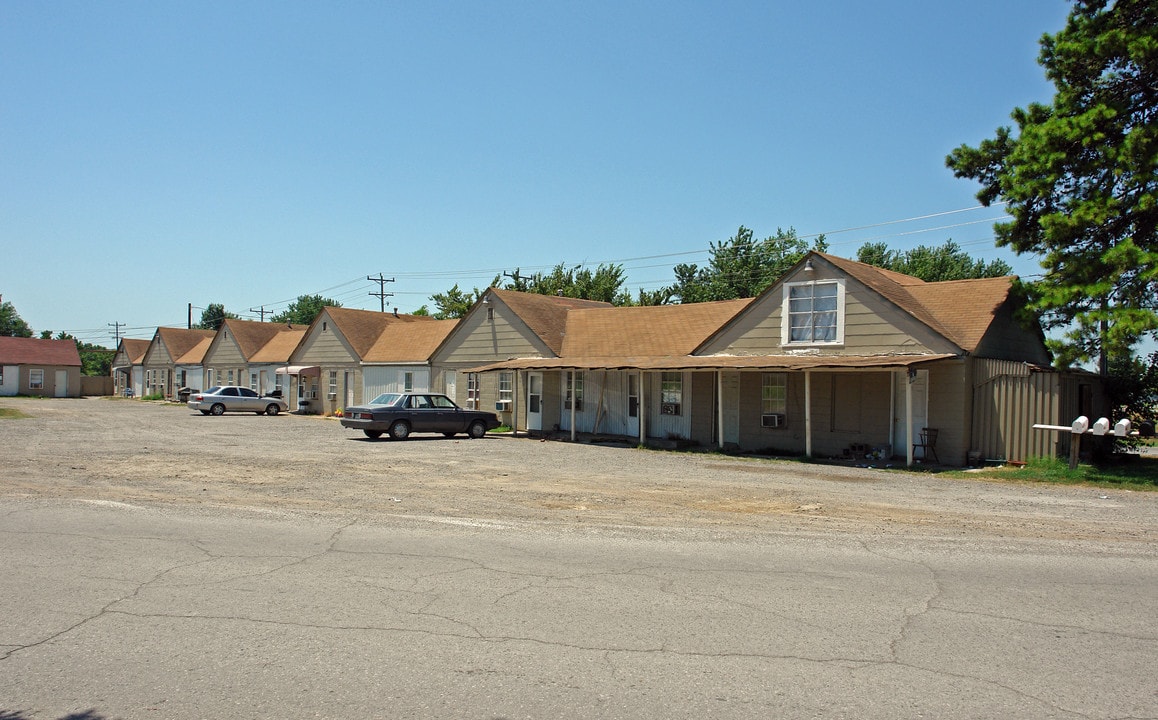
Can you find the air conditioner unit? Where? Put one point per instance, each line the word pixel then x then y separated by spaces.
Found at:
pixel 773 420
pixel 503 405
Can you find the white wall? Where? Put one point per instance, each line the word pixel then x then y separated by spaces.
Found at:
pixel 11 384
pixel 377 379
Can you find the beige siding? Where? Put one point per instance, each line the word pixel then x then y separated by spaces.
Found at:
pixel 872 326
pixel 1005 409
pixel 1007 339
pixel 949 410
pixel 324 348
pixel 479 340
pixel 703 400
pixel 224 354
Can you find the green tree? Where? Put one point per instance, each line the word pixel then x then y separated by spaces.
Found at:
pixel 1080 180
pixel 741 266
pixel 604 283
pixel 303 310
pixel 932 264
pixel 213 316
pixel 11 324
pixel 455 303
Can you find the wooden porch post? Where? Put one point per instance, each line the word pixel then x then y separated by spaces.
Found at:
pixel 720 407
pixel 909 417
pixel 808 413
pixel 573 403
pixel 642 412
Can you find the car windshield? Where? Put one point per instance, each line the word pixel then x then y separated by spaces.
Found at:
pixel 388 399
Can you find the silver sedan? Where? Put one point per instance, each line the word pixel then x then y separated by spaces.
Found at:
pixel 232 398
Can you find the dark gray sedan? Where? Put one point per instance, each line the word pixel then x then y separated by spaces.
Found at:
pixel 401 414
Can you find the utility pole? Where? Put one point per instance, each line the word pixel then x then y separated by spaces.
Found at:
pixel 516 277
pixel 381 294
pixel 261 312
pixel 116 326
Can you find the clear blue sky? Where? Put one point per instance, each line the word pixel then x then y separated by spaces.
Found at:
pixel 155 154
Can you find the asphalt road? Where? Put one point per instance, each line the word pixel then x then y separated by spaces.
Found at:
pixel 118 610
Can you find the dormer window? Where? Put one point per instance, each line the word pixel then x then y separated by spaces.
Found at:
pixel 813 313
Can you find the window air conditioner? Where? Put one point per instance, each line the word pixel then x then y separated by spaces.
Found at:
pixel 773 420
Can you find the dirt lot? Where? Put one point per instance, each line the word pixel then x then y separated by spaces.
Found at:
pixel 157 454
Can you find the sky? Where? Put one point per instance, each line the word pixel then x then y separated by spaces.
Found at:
pixel 157 155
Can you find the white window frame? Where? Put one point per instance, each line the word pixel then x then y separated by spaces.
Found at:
pixel 472 391
pixel 506 387
pixel 578 376
pixel 786 313
pixel 333 383
pixel 671 393
pixel 408 381
pixel 33 383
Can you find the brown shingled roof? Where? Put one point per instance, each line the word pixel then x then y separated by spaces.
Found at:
pixel 281 345
pixel 186 347
pixel 959 310
pixel 413 342
pixel 545 315
pixel 135 349
pixel 652 331
pixel 34 351
pixel 251 336
pixel 363 328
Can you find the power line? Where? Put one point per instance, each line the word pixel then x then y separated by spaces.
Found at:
pixel 381 294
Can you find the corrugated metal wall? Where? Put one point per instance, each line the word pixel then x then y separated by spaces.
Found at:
pixel 1008 399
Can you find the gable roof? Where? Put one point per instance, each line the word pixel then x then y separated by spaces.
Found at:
pixel 363 328
pixel 545 315
pixel 134 349
pixel 34 351
pixel 959 310
pixel 186 347
pixel 251 336
pixel 406 341
pixel 281 345
pixel 649 331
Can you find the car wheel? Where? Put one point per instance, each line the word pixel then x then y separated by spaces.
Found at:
pixel 400 430
pixel 373 434
pixel 272 409
pixel 477 429
pixel 217 409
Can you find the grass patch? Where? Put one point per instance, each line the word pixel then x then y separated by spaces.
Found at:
pixel 1132 472
pixel 12 414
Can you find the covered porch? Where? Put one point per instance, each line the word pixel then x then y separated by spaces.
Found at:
pixel 809 404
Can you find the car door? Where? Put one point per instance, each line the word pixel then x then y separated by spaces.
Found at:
pixel 230 399
pixel 448 418
pixel 249 400
pixel 422 414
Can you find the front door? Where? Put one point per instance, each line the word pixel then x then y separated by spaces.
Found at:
pixel 901 433
pixel 534 401
pixel 61 383
pixel 349 381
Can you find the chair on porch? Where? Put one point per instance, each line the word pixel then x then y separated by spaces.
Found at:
pixel 927 441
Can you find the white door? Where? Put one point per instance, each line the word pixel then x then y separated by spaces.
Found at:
pixel 450 381
pixel 534 401
pixel 901 434
pixel 61 383
pixel 349 380
pixel 730 406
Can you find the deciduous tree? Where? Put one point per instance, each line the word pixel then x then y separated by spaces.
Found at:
pixel 303 310
pixel 932 264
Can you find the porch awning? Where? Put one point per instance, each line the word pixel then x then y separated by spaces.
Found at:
pixel 301 370
pixel 715 362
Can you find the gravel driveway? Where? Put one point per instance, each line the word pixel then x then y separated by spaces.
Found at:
pixel 132 451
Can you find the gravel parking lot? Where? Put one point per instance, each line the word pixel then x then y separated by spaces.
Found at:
pixel 151 453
